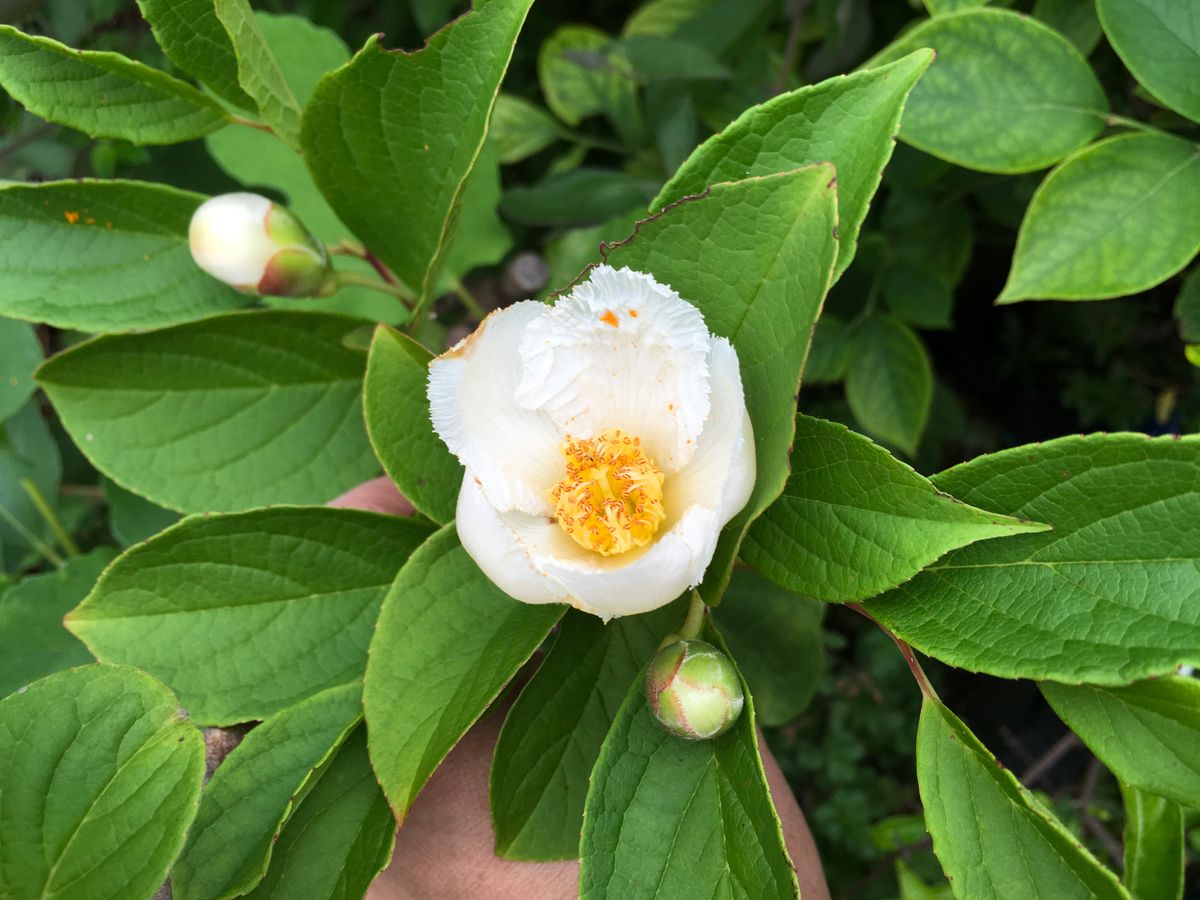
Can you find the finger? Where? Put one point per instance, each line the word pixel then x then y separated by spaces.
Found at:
pixel 376 495
pixel 445 849
pixel 799 840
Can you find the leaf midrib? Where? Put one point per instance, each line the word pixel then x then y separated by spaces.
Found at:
pixel 157 738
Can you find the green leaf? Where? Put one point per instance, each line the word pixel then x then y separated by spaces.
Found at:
pixel 1154 854
pixel 20 354
pixel 923 254
pixel 755 257
pixel 1095 227
pixel 936 234
pixel 252 793
pixel 397 413
pixel 259 159
pixel 916 295
pixel 578 80
pixel 1007 93
pixel 228 413
pixel 31 629
pixel 1145 733
pixel 132 518
pixel 889 383
pixel 941 7
pixel 258 71
pixel 854 521
pixel 1159 40
pixel 651 58
pixel 992 837
pixel 667 817
pixel 552 735
pixel 246 614
pixel 104 95
pixel 340 835
pixel 478 237
pixel 776 638
pixel 1187 308
pixel 520 128
pixel 664 17
pixel 577 197
pixel 850 120
pixel 99 778
pixel 829 357
pixel 913 887
pixel 373 151
pixel 103 256
pixel 193 38
pixel 1075 21
pixel 1100 598
pixel 27 452
pixel 447 642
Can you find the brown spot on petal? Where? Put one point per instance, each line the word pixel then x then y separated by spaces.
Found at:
pixel 465 346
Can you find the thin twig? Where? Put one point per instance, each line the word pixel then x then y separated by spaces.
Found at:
pixel 251 123
pixel 906 651
pixel 43 130
pixel 355 279
pixel 91 491
pixel 380 266
pixel 790 47
pixel 1111 845
pixel 1091 776
pixel 1046 761
pixel 347 247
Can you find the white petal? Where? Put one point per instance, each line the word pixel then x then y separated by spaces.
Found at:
pixel 532 560
pixel 673 563
pixel 720 475
pixel 497 551
pixel 514 452
pixel 622 351
pixel 228 238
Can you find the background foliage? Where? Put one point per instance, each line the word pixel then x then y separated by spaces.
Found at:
pixel 925 344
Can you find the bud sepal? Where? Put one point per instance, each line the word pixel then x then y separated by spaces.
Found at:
pixel 694 690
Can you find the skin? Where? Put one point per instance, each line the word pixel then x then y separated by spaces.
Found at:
pixel 444 851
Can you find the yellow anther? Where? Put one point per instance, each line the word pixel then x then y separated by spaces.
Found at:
pixel 610 499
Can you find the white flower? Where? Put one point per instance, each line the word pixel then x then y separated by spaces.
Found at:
pixel 606 442
pixel 257 246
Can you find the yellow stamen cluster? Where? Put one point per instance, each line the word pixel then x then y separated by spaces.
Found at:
pixel 611 499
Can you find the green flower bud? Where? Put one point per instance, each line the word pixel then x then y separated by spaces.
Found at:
pixel 257 246
pixel 693 690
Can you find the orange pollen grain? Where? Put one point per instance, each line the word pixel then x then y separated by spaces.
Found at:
pixel 611 498
pixel 633 313
pixel 609 318
pixel 71 216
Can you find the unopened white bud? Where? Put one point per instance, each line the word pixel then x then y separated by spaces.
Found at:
pixel 257 246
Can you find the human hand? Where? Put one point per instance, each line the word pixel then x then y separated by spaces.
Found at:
pixel 445 849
